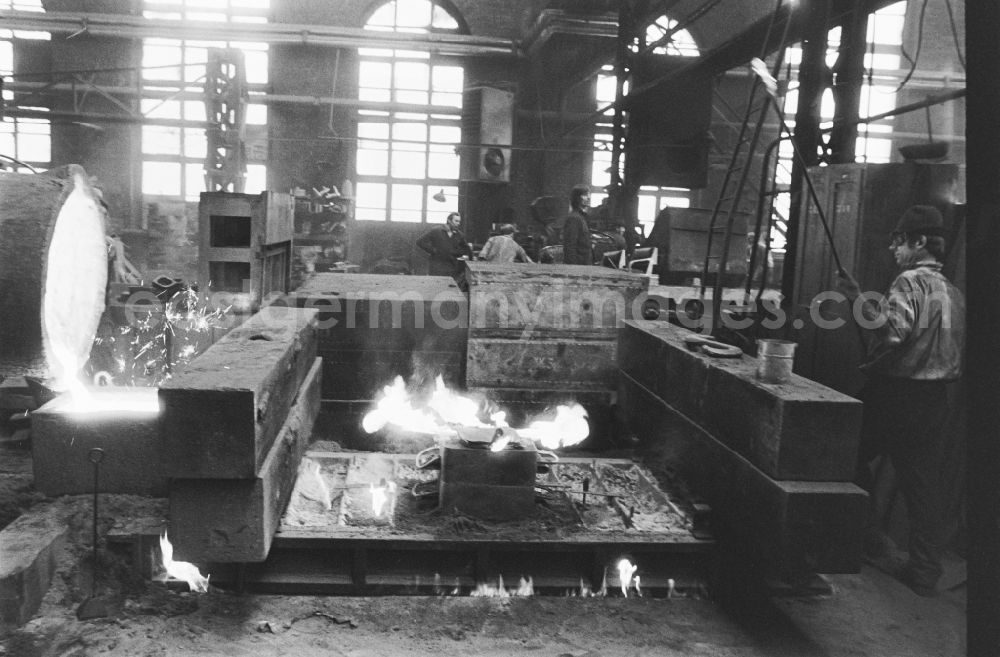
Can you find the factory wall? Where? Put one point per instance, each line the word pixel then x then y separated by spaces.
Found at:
pixel 311 144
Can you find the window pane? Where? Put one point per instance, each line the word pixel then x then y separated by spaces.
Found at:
pixel 194 110
pixel 256 66
pixel 370 196
pixel 409 131
pixel 373 162
pixel 376 95
pixel 256 179
pixel 443 165
pixel 161 109
pixel 34 147
pixel 448 78
pixel 406 164
pixel 194 181
pixel 161 178
pixel 412 75
pixel 376 75
pixel 161 140
pixel 195 144
pixel 407 197
pixel 446 134
pixel 413 13
pixel 159 62
pixel 257 114
pixel 446 99
pixel 413 97
pixel 373 130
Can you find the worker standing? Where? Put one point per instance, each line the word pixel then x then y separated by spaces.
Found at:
pixel 575 231
pixel 918 335
pixel 502 248
pixel 446 246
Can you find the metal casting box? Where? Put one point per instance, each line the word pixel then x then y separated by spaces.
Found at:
pixel 124 422
pixel 486 484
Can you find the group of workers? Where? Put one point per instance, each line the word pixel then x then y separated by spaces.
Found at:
pixel 447 246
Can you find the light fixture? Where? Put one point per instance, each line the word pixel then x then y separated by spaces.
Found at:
pixel 441 197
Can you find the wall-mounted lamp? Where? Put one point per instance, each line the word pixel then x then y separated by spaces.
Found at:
pixel 441 197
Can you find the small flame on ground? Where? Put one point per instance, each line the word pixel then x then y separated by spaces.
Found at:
pixel 182 570
pixel 382 494
pixel 626 571
pixel 525 588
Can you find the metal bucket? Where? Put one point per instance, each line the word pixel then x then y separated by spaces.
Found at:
pixel 774 360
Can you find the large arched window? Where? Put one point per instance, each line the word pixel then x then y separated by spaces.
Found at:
pixel 407 135
pixel 174 145
pixel 651 199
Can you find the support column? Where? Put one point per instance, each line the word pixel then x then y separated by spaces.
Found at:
pixel 814 78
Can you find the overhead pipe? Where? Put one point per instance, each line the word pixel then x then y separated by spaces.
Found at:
pixel 138 27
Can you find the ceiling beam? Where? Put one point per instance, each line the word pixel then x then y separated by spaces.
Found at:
pixel 137 27
pixel 760 39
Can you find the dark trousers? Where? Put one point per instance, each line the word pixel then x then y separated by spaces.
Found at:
pixel 903 419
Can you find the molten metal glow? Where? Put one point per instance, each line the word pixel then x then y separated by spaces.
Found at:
pixel 81 400
pixel 569 427
pixel 625 572
pixel 182 570
pixel 499 444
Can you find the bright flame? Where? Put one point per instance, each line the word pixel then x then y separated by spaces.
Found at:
pixel 625 572
pixel 386 492
pixel 311 485
pixel 569 427
pixel 182 569
pixel 525 588
pixel 397 408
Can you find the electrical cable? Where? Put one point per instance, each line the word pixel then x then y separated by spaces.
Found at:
pixel 916 55
pixel 954 33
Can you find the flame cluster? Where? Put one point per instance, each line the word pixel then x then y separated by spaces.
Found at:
pixel 440 412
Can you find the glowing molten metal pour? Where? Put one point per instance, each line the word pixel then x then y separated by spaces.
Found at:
pixel 182 570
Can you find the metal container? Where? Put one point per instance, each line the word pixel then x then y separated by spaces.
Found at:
pixel 774 360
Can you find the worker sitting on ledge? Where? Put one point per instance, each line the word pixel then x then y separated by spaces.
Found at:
pixel 503 249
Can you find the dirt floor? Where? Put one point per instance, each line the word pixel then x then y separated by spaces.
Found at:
pixel 863 615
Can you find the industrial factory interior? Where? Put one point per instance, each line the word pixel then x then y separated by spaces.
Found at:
pixel 477 327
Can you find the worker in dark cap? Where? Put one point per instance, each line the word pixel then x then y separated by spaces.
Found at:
pixel 576 232
pixel 917 335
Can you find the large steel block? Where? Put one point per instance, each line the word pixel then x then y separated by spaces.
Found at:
pixel 373 327
pixel 124 422
pixel 800 430
pixel 234 520
pixel 222 412
pixel 549 327
pixel 791 525
pixel 486 484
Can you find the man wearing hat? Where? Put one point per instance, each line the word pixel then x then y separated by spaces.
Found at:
pixel 917 334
